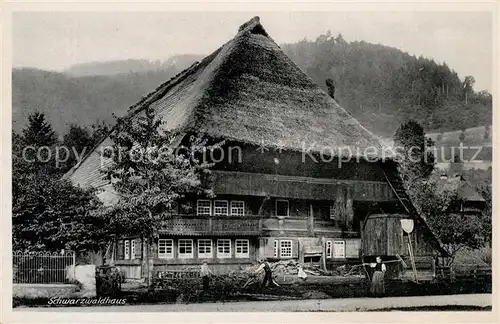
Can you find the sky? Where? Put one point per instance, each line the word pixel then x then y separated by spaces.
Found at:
pixel 57 40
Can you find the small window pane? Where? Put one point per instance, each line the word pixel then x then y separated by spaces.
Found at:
pixel 223 248
pixel 126 250
pixel 332 212
pixel 286 249
pixel 204 248
pixel 185 249
pixel 339 249
pixel 220 208
pixel 329 249
pixel 204 207
pixel 242 248
pixel 275 249
pixel 237 208
pixel 132 249
pixel 165 249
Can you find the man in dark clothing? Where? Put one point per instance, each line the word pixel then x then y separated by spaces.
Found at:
pixel 268 277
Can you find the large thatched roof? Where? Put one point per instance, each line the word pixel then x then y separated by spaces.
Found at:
pixel 249 91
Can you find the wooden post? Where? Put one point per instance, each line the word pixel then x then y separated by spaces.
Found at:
pixel 150 262
pixel 113 251
pixel 323 253
pixel 261 207
pixel 412 258
pixel 310 221
pixel 434 267
pixel 74 265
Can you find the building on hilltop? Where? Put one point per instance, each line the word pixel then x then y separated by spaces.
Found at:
pixel 280 201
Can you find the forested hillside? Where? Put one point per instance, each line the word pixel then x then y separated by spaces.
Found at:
pixel 383 86
pixel 82 100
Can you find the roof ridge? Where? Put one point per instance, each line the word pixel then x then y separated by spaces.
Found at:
pixel 249 24
pixel 253 26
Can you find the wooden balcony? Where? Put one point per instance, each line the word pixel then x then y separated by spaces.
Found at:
pixel 249 225
pixel 186 225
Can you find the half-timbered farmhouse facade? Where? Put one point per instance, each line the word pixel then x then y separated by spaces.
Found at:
pixel 294 182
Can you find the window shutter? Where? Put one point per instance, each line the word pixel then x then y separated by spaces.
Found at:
pixel 119 250
pixel 295 249
pixel 268 247
pixel 138 248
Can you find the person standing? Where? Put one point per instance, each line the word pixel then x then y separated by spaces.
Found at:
pixel 268 277
pixel 379 269
pixel 205 273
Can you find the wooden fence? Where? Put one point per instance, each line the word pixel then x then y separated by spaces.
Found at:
pixel 464 272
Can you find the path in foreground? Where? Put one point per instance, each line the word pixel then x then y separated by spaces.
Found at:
pixel 334 305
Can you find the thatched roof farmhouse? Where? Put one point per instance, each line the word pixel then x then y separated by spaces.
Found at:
pixel 248 91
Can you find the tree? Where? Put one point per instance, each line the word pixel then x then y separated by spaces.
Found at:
pixel 468 87
pixel 340 39
pixel 441 207
pixel 38 141
pixel 53 215
pixel 39 132
pixel 100 131
pixel 49 214
pixel 417 162
pixel 151 173
pixel 78 142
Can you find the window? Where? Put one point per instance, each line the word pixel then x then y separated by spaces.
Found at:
pixel 132 249
pixel 242 248
pixel 185 249
pixel 275 249
pixel 237 208
pixel 285 249
pixel 223 248
pixel 205 249
pixel 339 249
pixel 329 249
pixel 203 207
pixel 220 208
pixel 126 250
pixel 282 208
pixel 165 249
pixel 332 212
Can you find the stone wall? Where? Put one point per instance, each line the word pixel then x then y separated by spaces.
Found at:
pixel 45 290
pixel 84 286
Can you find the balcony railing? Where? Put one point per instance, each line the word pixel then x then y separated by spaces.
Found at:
pixel 191 225
pixel 212 225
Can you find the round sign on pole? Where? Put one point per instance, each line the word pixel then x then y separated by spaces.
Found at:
pixel 407 225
